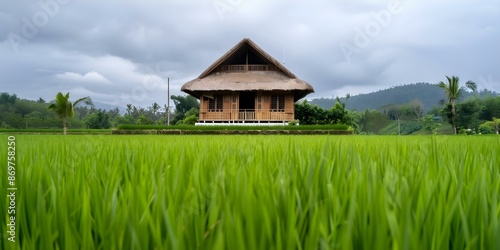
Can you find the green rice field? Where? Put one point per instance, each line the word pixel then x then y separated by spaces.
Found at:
pixel 252 192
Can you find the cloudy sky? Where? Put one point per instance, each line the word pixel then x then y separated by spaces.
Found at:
pixel 123 51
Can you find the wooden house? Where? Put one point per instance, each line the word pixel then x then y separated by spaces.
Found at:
pixel 247 85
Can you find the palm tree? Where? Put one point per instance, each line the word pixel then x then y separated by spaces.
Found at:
pixel 453 92
pixel 155 107
pixel 129 108
pixel 65 109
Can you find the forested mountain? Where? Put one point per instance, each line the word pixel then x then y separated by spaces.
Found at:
pixel 429 94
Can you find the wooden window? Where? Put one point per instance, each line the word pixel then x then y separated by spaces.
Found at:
pixel 234 99
pixel 215 104
pixel 277 103
pixel 259 102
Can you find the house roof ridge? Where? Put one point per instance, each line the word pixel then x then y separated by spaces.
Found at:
pixel 238 46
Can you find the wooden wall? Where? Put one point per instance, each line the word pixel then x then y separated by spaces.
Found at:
pixel 231 106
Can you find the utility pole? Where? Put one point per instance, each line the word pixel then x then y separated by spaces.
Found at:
pixel 168 101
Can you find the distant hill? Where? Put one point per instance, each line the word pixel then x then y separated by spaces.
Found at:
pixel 107 107
pixel 428 94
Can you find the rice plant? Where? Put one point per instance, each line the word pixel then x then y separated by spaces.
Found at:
pixel 254 192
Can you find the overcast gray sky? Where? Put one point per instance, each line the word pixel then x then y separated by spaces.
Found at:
pixel 122 51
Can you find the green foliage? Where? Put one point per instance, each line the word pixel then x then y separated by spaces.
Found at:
pixel 373 121
pixel 20 113
pixel 428 94
pixel 487 128
pixel 28 114
pixel 183 104
pixel 491 108
pixel 496 123
pixel 53 131
pixel 6 98
pixel 308 114
pixel 453 92
pixel 294 123
pixel 468 114
pixel 64 108
pixel 258 192
pixel 463 131
pixel 143 120
pixel 409 102
pixel 490 127
pixel 192 112
pixel 284 127
pixel 408 128
pixel 429 124
pixel 190 120
pixel 119 120
pixel 435 111
pixel 155 107
pixel 98 120
pixel 401 128
pixel 191 117
pixel 417 108
pixel 397 111
pixel 338 114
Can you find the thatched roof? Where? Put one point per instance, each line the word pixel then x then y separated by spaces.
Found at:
pixel 279 79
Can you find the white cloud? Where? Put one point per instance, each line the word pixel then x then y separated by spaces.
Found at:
pixel 90 77
pixel 127 50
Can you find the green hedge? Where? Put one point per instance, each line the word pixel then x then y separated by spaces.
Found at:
pixel 54 130
pixel 231 132
pixel 341 127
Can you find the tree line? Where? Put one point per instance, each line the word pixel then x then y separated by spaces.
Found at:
pixel 474 114
pixel 82 114
pixel 465 115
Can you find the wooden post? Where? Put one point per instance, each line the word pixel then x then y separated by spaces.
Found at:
pixel 168 101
